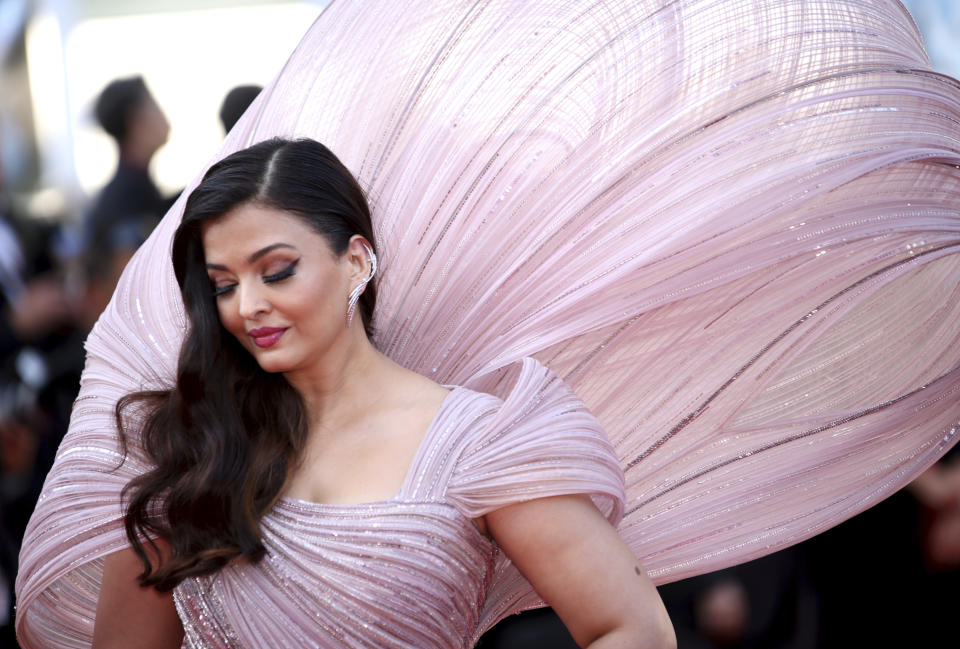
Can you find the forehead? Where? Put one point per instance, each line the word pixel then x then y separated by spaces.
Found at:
pixel 249 227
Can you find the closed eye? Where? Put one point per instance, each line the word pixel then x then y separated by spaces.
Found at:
pixel 289 271
pixel 223 290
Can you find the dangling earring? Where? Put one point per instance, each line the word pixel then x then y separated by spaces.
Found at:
pixel 358 289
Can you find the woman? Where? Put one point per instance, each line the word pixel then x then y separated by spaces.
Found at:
pixel 284 416
pixel 729 227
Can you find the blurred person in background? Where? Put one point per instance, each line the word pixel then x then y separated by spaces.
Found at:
pixel 235 103
pixel 885 570
pixel 130 205
pixel 766 603
pixel 937 492
pixel 30 300
pixel 36 317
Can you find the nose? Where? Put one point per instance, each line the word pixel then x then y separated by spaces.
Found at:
pixel 252 301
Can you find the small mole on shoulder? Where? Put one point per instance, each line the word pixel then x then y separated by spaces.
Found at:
pixel 636 569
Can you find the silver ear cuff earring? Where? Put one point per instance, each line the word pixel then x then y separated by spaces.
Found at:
pixel 358 289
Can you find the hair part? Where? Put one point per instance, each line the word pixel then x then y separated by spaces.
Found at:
pixel 225 416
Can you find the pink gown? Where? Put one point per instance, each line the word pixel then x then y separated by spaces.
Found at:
pixel 731 228
pixel 413 571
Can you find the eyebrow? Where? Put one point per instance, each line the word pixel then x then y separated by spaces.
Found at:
pixel 255 256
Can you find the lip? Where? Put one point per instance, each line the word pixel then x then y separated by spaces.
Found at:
pixel 266 336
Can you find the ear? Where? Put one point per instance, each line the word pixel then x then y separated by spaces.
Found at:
pixel 358 256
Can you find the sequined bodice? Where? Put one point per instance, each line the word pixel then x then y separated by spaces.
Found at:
pixel 411 572
pixel 389 574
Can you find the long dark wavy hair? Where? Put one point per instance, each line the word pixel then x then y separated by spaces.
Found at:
pixel 225 438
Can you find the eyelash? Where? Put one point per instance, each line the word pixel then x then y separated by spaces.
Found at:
pixel 286 273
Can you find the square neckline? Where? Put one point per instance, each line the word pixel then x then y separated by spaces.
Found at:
pixel 300 503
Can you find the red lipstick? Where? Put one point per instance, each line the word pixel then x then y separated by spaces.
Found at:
pixel 266 336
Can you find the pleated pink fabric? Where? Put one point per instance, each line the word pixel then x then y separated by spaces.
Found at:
pixel 731 227
pixel 413 571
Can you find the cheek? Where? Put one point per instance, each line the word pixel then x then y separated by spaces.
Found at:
pixel 322 301
pixel 229 319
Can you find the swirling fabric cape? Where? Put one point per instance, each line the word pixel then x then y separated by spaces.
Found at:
pixel 731 226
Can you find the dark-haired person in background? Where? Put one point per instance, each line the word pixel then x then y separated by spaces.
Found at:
pixel 235 103
pixel 130 205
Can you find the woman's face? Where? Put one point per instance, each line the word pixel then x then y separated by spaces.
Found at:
pixel 279 287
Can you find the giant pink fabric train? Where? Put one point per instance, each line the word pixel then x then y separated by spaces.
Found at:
pixel 733 228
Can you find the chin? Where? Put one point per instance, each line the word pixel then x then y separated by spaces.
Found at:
pixel 273 366
pixel 269 360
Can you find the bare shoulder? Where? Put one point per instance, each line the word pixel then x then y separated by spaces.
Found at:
pixel 417 392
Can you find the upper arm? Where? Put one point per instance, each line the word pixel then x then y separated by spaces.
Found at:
pixel 579 565
pixel 129 615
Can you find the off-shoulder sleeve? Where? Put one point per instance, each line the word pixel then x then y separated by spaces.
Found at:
pixel 542 441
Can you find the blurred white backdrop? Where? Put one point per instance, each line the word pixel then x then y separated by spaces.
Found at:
pixel 190 52
pixel 189 60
